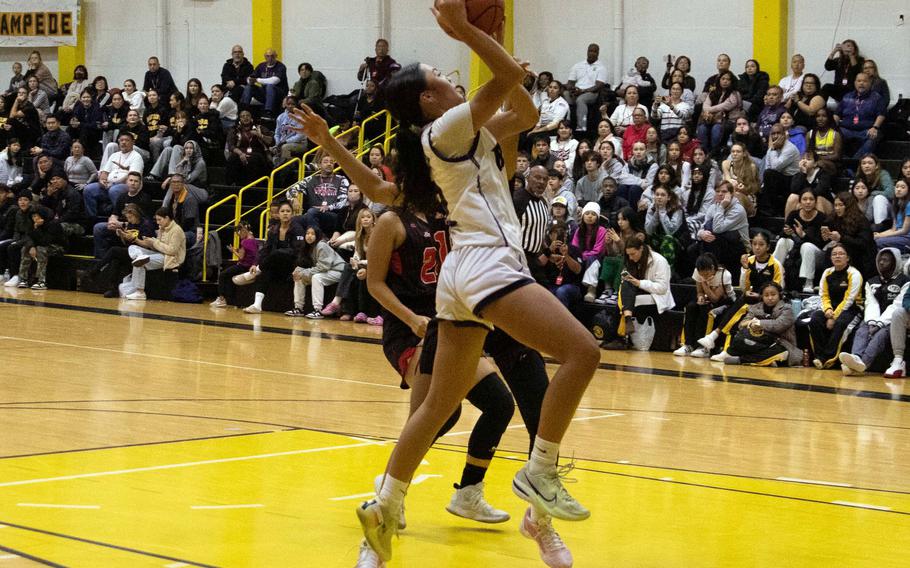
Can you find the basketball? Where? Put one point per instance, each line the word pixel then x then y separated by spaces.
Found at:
pixel 488 15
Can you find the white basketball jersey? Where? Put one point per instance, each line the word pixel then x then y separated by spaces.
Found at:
pixel 469 169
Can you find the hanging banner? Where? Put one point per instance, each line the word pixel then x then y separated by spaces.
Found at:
pixel 38 23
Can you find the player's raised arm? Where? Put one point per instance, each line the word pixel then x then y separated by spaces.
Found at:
pixel 316 129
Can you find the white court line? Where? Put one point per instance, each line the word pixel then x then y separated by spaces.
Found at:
pixel 8 556
pixel 200 362
pixel 416 481
pixel 55 506
pixel 176 565
pixel 862 505
pixel 180 465
pixel 666 478
pixel 521 425
pixel 813 481
pixel 355 496
pixel 250 506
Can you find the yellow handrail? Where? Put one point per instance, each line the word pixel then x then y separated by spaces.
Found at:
pixel 274 172
pixel 363 125
pixel 238 207
pixel 205 235
pixel 388 135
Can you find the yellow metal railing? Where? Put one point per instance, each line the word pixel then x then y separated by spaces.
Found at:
pixel 363 148
pixel 205 234
pixel 388 129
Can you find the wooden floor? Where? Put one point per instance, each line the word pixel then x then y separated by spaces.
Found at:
pixel 158 434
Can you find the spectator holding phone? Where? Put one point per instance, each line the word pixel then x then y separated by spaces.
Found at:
pixel 803 237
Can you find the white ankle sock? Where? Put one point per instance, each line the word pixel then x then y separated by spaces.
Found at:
pixel 543 456
pixel 257 301
pixel 392 492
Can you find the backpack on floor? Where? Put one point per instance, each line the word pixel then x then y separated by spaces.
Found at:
pixel 186 291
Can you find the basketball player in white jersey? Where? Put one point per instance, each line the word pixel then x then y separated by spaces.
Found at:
pixel 449 145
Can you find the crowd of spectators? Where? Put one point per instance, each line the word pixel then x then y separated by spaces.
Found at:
pixel 621 192
pixel 657 183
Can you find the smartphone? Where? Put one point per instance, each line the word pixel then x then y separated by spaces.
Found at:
pixel 624 274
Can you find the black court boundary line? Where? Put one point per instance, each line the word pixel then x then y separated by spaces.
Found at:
pixel 372 401
pixel 765 383
pixel 704 485
pixel 104 544
pixel 134 445
pixel 115 411
pixel 31 557
pixel 293 428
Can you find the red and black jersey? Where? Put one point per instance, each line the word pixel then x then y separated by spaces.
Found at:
pixel 414 266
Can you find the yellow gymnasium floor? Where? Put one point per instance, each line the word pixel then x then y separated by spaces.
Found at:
pixel 174 435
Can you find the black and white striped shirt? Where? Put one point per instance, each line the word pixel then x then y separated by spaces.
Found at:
pixel 534 216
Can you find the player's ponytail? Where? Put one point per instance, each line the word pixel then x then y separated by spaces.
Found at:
pixel 412 170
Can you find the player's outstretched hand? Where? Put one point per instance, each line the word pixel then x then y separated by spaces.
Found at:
pixel 312 125
pixel 452 16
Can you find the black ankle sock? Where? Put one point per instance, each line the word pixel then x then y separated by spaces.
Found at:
pixel 472 475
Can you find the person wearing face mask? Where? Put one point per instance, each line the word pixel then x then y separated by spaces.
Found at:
pixel 860 116
pixel 72 90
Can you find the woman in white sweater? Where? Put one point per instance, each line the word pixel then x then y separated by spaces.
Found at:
pixel 645 288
